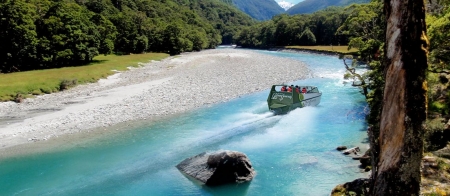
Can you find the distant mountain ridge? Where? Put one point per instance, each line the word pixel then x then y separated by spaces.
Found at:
pixel 310 6
pixel 259 9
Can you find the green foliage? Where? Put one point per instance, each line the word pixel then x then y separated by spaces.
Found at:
pixel 307 37
pixel 67 35
pixel 311 6
pixel 365 28
pixel 18 35
pixel 259 9
pixel 283 30
pixel 37 34
pixel 438 93
pixel 107 33
pixel 228 20
pixel 439 35
pixel 437 106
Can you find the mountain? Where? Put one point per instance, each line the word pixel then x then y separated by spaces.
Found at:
pixel 259 9
pixel 310 6
pixel 285 5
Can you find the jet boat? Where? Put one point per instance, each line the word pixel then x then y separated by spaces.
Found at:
pixel 284 98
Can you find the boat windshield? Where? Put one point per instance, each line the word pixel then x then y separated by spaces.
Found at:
pixel 286 88
pixel 313 90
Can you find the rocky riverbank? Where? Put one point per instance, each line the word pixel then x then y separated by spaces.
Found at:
pixel 156 89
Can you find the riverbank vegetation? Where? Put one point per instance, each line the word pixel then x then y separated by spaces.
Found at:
pixel 42 34
pixel 19 85
pixel 318 28
pixel 344 50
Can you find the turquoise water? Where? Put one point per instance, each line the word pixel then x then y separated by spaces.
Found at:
pixel 293 154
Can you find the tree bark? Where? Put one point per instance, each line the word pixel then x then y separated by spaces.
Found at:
pixel 404 101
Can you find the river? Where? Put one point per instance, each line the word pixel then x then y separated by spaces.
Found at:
pixel 293 154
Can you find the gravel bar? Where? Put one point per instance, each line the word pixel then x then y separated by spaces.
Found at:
pixel 154 89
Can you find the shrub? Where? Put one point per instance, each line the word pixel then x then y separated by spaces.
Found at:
pixel 46 90
pixel 36 92
pixel 18 98
pixel 66 84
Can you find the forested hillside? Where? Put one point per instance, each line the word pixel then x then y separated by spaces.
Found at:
pixel 38 34
pixel 307 29
pixel 259 9
pixel 310 6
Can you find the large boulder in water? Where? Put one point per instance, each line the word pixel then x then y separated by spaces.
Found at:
pixel 218 168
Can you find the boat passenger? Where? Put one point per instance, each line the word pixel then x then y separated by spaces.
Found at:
pixel 304 90
pixel 290 88
pixel 297 89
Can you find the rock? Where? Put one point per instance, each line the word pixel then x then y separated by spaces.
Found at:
pixel 430 167
pixel 444 152
pixel 218 168
pixel 340 148
pixel 353 150
pixel 365 161
pixel 357 187
pixel 429 161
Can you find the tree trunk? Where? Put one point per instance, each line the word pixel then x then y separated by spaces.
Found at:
pixel 404 103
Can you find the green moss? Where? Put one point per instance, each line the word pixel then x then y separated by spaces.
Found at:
pixel 338 190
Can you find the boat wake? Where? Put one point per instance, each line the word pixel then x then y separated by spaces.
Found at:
pixel 148 163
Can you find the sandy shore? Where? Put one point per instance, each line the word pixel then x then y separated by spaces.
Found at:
pixel 156 89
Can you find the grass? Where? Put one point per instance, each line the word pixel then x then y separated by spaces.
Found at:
pixel 338 49
pixel 37 82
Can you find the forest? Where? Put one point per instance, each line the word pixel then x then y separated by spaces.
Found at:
pixel 41 34
pixel 318 28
